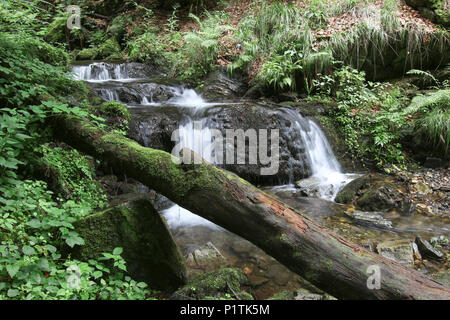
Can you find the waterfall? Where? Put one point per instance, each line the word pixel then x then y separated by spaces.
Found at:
pixel 324 166
pixel 108 94
pixel 308 142
pixel 100 71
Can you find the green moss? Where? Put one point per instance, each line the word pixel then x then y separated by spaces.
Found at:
pixel 283 295
pixel 115 109
pixel 87 54
pixel 222 284
pixel 148 247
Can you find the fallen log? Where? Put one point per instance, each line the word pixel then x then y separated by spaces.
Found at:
pixel 327 260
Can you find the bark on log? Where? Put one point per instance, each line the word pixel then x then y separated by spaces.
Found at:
pixel 327 260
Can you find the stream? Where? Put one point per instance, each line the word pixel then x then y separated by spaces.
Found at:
pixel 306 154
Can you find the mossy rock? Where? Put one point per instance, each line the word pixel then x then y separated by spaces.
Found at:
pixel 222 284
pixel 435 10
pixel 349 192
pixel 109 48
pixel 148 247
pixel 379 196
pixel 283 295
pixel 87 54
pixel 115 109
pixel 301 294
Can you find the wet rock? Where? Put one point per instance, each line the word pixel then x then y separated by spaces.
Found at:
pixel 148 247
pixel 427 250
pixel 349 192
pixel 161 203
pixel 417 255
pixel 309 187
pixel 207 258
pixel 222 284
pixel 406 207
pixel 376 199
pixel 301 294
pixel 133 93
pixel 369 219
pixel 400 251
pixel 219 86
pixel 153 128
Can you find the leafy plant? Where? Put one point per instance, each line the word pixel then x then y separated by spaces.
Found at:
pixel 279 71
pixel 202 46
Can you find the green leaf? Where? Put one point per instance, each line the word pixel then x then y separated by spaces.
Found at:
pixel 35 223
pixel 13 293
pixel 29 251
pixel 74 240
pixel 12 270
pixel 117 251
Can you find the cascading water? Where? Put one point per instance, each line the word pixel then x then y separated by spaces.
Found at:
pixel 100 71
pixel 112 81
pixel 324 166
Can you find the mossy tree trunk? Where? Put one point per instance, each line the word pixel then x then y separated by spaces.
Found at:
pixel 327 260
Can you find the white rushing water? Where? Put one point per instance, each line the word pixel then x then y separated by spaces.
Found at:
pixel 177 217
pixel 321 159
pixel 100 71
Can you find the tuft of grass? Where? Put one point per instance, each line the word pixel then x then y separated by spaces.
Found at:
pixel 368 44
pixel 433 117
pixel 435 126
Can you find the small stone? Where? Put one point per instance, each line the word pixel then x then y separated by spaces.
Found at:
pixel 371 219
pixel 207 257
pixel 400 251
pixel 427 250
pixel 416 251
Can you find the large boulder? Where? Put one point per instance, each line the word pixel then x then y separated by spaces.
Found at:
pixel 153 127
pixel 148 247
pixel 222 284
